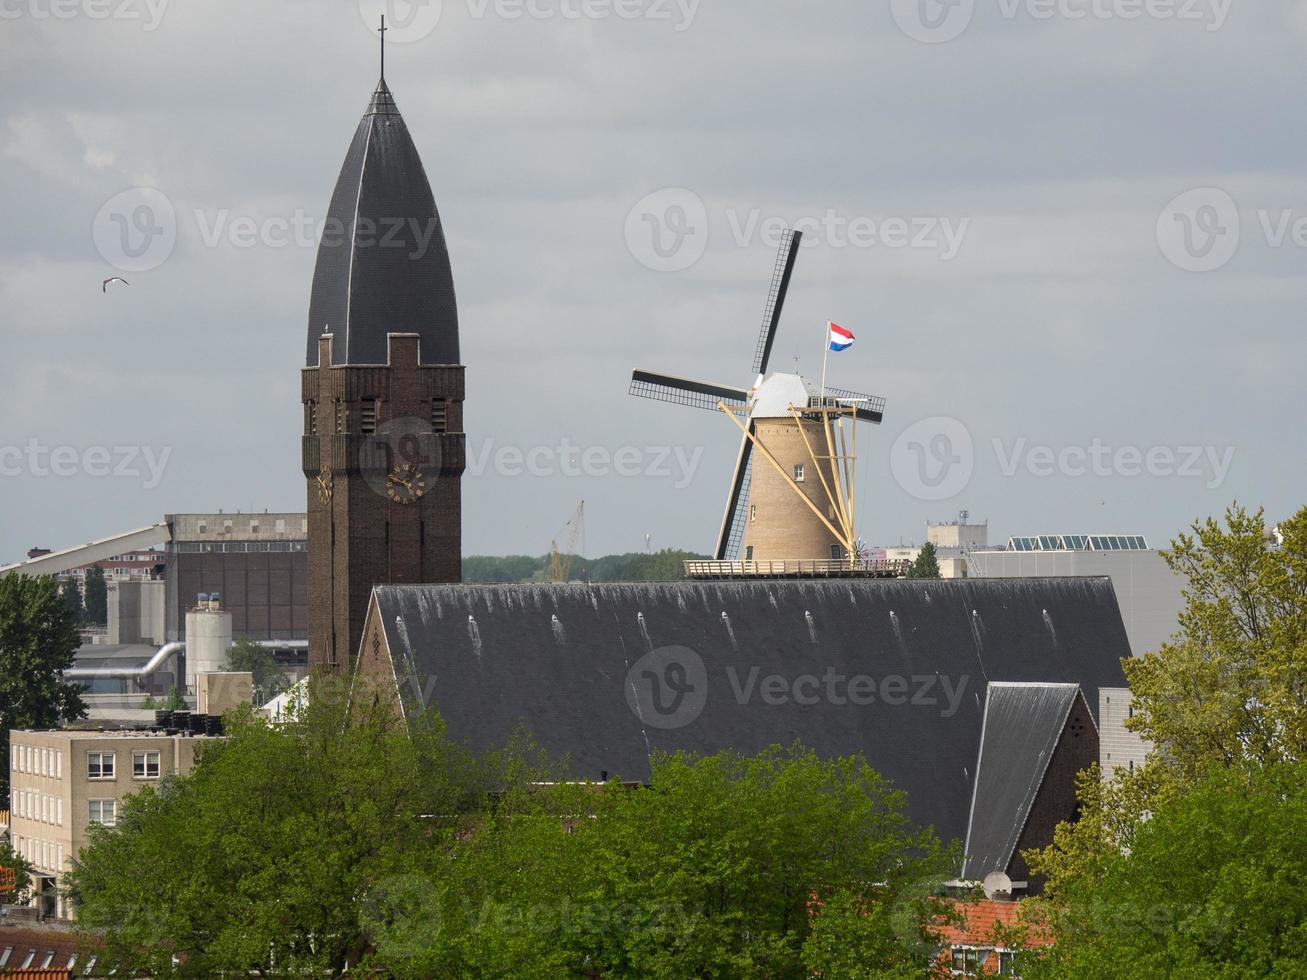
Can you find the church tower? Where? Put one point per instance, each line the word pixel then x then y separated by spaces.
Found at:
pixel 383 446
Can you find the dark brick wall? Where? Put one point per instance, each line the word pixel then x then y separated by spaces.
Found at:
pixel 266 592
pixel 1076 751
pixel 361 536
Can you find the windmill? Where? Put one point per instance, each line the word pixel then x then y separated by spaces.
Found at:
pixel 785 414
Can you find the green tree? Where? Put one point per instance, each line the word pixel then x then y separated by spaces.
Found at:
pixel 172 701
pixel 1213 885
pixel 269 679
pixel 1222 703
pixel 258 860
pixel 38 638
pixel 97 597
pixel 725 866
pixel 72 598
pixel 660 566
pixel 1231 686
pixel 926 564
pixel 11 861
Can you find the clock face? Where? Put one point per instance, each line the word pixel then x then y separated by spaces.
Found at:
pixel 324 485
pixel 405 484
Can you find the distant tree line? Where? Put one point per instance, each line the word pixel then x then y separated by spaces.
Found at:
pixel 660 566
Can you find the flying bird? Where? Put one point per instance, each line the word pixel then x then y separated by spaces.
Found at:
pixel 104 286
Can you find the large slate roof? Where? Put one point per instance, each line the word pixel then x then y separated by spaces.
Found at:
pixel 383 266
pixel 1019 731
pixel 575 665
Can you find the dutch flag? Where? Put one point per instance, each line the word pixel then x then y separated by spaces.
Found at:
pixel 840 338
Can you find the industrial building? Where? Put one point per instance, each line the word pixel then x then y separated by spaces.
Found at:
pixel 247 572
pixel 258 563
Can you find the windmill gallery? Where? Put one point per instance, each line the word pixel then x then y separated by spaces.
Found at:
pixel 987 754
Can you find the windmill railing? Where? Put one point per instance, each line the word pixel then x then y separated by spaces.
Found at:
pixel 798 568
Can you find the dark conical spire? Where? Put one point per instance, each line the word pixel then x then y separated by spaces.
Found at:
pixel 382 265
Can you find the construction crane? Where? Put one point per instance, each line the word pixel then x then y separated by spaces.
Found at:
pixel 560 565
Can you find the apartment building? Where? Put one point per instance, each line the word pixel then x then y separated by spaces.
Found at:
pixel 64 782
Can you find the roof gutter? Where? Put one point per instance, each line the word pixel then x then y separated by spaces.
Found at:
pixel 126 673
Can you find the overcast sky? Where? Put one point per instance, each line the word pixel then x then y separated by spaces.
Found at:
pixel 1071 238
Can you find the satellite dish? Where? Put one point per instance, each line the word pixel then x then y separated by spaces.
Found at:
pixel 997 885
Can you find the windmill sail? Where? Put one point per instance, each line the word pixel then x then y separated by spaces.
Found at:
pixel 684 391
pixel 780 287
pixel 870 408
pixel 732 533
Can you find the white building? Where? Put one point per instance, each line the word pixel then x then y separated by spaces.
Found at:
pixel 1118 748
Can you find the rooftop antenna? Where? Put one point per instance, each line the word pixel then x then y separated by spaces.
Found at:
pixel 383 47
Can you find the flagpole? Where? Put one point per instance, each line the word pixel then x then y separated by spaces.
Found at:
pixel 825 353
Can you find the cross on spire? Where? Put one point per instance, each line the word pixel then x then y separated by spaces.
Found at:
pixel 383 47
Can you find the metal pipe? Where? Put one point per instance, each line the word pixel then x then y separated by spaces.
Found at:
pixel 126 673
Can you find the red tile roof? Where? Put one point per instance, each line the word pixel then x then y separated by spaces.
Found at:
pixel 981 919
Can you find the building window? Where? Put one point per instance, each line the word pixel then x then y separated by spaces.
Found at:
pixel 313 420
pixel 368 421
pixel 145 765
pixel 439 415
pixel 99 765
pixel 968 961
pixel 753 513
pixel 340 416
pixel 836 552
pixel 748 553
pixel 798 472
pixel 1007 963
pixel 104 812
